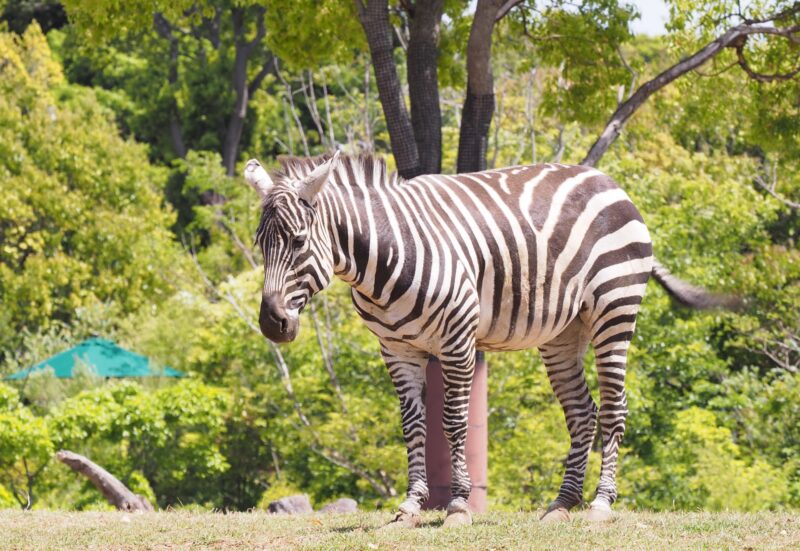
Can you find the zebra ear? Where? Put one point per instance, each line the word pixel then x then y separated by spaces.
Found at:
pixel 311 185
pixel 256 176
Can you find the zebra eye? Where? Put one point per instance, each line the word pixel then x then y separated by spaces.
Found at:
pixel 299 240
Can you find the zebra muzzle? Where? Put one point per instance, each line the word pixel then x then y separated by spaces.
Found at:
pixel 276 323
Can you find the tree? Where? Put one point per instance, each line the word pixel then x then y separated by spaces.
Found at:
pixel 81 220
pixel 203 40
pixel 169 436
pixel 18 14
pixel 25 447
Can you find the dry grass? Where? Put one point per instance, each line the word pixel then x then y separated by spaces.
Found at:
pixel 183 530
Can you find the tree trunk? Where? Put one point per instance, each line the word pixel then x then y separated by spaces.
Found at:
pixel 112 489
pixel 164 30
pixel 374 17
pixel 476 117
pixel 473 140
pixel 423 83
pixel 233 132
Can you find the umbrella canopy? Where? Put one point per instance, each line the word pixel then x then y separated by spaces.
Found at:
pixel 104 357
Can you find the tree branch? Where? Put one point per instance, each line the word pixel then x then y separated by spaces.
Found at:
pixel 634 74
pixel 311 104
pixel 770 188
pixel 505 8
pixel 559 149
pixel 760 77
pixel 332 456
pixel 327 361
pixel 244 249
pixel 331 137
pixel 261 29
pixel 255 84
pixel 26 505
pixel 243 90
pixel 385 491
pixel 248 320
pixel 290 96
pixel 731 38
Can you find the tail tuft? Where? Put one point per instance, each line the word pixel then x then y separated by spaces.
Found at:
pixel 694 297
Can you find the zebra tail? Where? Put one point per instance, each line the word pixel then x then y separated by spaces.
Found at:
pixel 689 295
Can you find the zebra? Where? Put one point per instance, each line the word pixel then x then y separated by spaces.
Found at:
pixel 549 256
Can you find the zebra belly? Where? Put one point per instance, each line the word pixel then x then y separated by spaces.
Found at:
pixel 529 330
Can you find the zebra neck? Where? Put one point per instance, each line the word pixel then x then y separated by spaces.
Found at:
pixel 361 237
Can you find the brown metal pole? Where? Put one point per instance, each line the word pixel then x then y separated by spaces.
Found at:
pixel 437 451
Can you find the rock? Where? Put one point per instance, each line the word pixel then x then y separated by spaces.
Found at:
pixel 292 505
pixel 341 505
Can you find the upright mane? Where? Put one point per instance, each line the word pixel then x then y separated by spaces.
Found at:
pixel 365 167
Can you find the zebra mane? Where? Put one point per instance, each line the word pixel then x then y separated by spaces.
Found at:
pixel 370 169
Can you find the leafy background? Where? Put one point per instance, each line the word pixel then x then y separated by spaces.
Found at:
pixel 104 230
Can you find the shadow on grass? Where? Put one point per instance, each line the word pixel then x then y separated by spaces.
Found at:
pixel 425 524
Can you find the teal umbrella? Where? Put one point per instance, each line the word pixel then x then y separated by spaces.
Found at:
pixel 104 357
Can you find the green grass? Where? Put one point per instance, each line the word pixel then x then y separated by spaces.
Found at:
pixel 184 530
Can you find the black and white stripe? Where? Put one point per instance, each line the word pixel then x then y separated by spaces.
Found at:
pixel 549 256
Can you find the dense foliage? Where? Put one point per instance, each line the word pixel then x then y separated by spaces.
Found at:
pixel 105 228
pixel 82 218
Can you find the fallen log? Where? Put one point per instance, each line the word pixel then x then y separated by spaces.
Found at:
pixel 112 489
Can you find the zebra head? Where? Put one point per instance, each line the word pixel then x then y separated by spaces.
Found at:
pixel 296 247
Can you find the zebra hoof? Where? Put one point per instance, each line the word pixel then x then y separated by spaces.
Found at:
pixel 457 518
pixel 403 521
pixel 599 514
pixel 556 514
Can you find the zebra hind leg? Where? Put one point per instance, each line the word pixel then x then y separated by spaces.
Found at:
pixel 611 337
pixel 407 370
pixel 563 358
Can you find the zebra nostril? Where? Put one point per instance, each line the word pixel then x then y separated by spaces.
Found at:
pixel 284 323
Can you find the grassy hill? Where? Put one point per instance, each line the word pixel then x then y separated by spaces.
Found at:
pixel 184 530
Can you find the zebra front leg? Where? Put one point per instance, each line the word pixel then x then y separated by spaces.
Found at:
pixel 457 372
pixel 563 358
pixel 407 370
